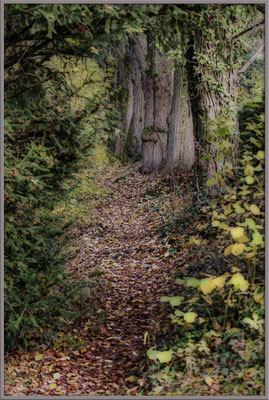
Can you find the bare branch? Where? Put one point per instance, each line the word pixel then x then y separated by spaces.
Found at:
pixel 250 61
pixel 247 30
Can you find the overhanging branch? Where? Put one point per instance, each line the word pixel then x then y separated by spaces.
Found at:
pixel 250 61
pixel 247 30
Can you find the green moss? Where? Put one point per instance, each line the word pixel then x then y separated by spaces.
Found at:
pixel 148 131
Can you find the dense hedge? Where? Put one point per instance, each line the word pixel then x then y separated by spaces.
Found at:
pixel 46 141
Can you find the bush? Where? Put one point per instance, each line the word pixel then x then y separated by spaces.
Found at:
pixel 47 141
pixel 218 310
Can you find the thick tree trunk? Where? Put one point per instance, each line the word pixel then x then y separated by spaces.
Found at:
pixel 217 112
pixel 125 103
pixel 133 141
pixel 180 149
pixel 157 87
pixel 123 90
pixel 214 103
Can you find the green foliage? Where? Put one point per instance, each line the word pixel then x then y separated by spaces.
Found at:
pixel 220 315
pixel 54 115
pixel 148 131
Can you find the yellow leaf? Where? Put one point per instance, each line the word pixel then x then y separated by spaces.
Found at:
pixel 211 182
pixel 190 317
pixel 237 232
pixel 243 239
pixel 208 380
pixel 228 250
pixel 207 285
pixel 194 240
pixel 215 223
pixel 130 379
pixel 193 300
pixel 220 281
pixel 260 155
pixel 244 286
pixel 224 226
pixel 238 248
pixel 94 50
pixel 38 357
pixel 216 325
pixel 208 299
pixel 254 209
pixel 53 386
pixel 239 282
pixel 201 227
pixel 236 279
pixel 258 297
pixel 165 356
pixel 250 255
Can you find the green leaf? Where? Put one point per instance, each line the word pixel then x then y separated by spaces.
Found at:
pixel 245 192
pixel 250 223
pixel 179 313
pixel 257 238
pixel 165 299
pixel 211 182
pixel 223 131
pixel 176 300
pixel 152 354
pixel 249 180
pixel 238 209
pixel 192 282
pixel 215 223
pixel 190 317
pixel 205 157
pixel 180 281
pixel 255 322
pixel 165 356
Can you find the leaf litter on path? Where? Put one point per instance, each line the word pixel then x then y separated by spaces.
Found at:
pixel 125 247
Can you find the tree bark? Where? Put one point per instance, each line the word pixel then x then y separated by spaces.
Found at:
pixel 156 79
pixel 181 149
pixel 124 99
pixel 133 141
pixel 219 111
pixel 214 91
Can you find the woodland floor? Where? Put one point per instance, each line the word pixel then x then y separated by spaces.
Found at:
pixel 125 245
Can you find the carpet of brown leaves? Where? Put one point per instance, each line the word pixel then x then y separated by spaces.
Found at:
pixel 136 271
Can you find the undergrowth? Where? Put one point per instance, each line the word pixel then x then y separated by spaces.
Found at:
pixel 217 301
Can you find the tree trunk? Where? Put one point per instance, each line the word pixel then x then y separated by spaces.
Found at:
pixel 133 141
pixel 157 87
pixel 217 113
pixel 181 149
pixel 214 90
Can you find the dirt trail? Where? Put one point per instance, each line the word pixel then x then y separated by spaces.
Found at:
pixel 126 247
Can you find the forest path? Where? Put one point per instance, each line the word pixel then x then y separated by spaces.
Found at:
pixel 126 247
